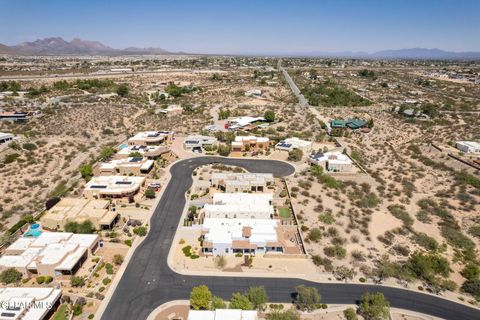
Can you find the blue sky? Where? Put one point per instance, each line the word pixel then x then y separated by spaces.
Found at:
pixel 232 26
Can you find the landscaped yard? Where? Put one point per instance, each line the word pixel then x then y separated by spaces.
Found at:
pixel 61 313
pixel 284 212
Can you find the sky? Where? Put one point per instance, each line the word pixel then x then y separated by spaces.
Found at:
pixel 240 27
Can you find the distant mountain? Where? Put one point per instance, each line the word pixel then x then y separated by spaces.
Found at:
pixel 413 53
pixel 8 50
pixel 58 46
pixel 422 53
pixel 134 50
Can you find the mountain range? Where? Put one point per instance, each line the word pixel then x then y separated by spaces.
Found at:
pixel 58 46
pixel 412 53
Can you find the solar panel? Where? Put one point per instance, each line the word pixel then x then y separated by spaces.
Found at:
pixel 96 186
pixel 136 159
pixel 123 182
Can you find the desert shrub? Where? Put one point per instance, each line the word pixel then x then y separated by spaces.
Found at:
pixel 399 212
pixel 326 218
pixel 425 241
pixel 314 235
pixel 335 251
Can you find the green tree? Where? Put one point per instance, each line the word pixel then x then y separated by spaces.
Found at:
pixel 10 275
pixel 350 314
pixel 218 303
pixel 472 287
pixel 290 314
pixel 149 194
pixel 295 155
pixel 140 231
pixel 223 150
pixel 86 171
pixel 106 153
pixel 240 301
pixel 77 281
pixel 307 298
pixel 257 296
pixel 269 115
pixel 316 170
pixel 122 90
pixel 374 306
pixel 200 298
pixel 471 271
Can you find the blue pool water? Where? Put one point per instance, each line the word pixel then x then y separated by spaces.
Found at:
pixel 122 146
pixel 33 231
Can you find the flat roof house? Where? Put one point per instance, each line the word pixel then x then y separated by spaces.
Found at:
pixel 242 122
pixel 223 314
pixel 28 303
pixel 51 254
pixel 149 152
pixel 150 138
pixel 242 182
pixel 250 143
pixel 240 206
pixel 80 210
pixel 254 236
pixel 332 161
pixel 294 143
pixel 199 143
pixel 468 146
pixel 129 166
pixel 113 187
pixel 349 123
pixel 6 137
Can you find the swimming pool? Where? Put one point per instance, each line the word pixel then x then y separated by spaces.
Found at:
pixel 122 146
pixel 33 231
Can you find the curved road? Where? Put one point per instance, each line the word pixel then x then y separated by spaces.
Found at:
pixel 148 281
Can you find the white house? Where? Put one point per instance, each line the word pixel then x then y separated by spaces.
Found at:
pixel 254 236
pixel 468 146
pixel 242 182
pixel 240 206
pixel 199 143
pixel 28 303
pixel 294 143
pixel 52 253
pixel 223 314
pixel 241 122
pixel 332 161
pixel 6 137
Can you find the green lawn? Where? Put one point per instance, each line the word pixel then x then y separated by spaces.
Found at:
pixel 284 212
pixel 61 313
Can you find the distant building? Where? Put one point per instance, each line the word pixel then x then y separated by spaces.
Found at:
pixel 468 146
pixel 240 206
pixel 150 138
pixel 50 254
pixel 294 143
pixel 242 122
pixel 130 166
pixel 253 93
pixel 113 187
pixel 223 314
pixel 199 143
pixel 19 115
pixel 6 137
pixel 150 152
pixel 29 303
pixel 242 182
pixel 80 210
pixel 332 161
pixel 252 236
pixel 349 123
pixel 250 143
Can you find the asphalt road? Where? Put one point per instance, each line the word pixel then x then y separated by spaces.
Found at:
pixel 148 281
